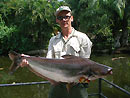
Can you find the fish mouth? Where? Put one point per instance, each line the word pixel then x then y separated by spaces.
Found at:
pixel 110 71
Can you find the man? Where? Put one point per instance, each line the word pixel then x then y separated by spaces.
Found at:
pixel 72 42
pixel 68 41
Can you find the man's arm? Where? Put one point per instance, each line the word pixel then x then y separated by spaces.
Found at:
pixel 86 46
pixel 50 53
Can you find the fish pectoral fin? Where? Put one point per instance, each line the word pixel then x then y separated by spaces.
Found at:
pixel 69 85
pixel 83 80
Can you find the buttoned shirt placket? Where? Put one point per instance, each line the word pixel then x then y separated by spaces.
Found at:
pixel 66 41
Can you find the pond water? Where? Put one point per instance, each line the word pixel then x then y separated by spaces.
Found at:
pixel 121 77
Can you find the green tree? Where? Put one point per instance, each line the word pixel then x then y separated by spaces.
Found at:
pixel 119 14
pixel 5 33
pixel 106 21
pixel 34 21
pixel 94 21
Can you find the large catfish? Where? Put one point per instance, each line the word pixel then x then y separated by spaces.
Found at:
pixel 71 69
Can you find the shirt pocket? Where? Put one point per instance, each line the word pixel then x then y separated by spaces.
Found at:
pixel 57 51
pixel 74 44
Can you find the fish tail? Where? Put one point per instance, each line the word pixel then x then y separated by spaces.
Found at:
pixel 14 57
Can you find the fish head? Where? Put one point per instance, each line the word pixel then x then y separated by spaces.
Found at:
pixel 98 71
pixel 16 59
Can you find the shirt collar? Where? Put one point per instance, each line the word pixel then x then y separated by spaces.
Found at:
pixel 59 35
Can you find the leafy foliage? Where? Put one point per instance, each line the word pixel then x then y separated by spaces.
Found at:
pixel 5 33
pixel 33 20
pixel 104 21
pixel 28 24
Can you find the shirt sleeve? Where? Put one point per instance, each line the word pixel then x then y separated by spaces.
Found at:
pixel 50 53
pixel 85 49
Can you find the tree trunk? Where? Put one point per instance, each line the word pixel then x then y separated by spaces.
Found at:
pixel 120 31
pixel 124 37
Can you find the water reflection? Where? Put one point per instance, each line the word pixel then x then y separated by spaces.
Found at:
pixel 121 76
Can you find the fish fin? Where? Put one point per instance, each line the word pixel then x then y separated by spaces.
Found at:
pixel 68 86
pixel 13 54
pixel 69 56
pixel 13 67
pixel 83 80
pixel 87 81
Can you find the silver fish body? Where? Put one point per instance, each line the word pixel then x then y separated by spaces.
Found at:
pixel 70 69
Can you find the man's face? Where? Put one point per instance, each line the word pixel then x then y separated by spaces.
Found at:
pixel 64 19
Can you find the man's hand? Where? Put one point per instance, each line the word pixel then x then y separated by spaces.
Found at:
pixel 24 61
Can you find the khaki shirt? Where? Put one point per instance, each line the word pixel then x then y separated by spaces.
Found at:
pixel 77 44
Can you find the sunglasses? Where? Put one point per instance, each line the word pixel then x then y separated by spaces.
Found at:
pixel 63 17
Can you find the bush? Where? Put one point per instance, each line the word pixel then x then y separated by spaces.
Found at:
pixel 30 24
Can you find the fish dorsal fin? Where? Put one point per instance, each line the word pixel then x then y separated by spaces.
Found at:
pixel 69 56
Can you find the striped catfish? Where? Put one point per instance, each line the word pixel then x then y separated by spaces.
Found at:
pixel 71 69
